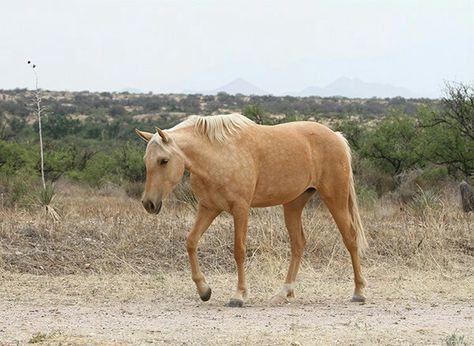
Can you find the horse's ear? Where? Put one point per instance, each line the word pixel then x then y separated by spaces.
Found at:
pixel 163 135
pixel 146 136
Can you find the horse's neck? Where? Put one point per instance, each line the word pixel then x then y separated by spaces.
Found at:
pixel 193 148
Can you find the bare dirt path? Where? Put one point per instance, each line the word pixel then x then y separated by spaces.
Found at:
pixel 418 308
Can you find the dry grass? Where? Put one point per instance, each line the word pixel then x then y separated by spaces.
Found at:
pixel 108 273
pixel 105 231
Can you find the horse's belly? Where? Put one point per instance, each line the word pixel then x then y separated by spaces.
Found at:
pixel 280 188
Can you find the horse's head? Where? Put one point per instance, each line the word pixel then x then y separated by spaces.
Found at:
pixel 164 168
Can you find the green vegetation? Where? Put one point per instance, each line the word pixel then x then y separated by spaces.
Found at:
pixel 455 340
pixel 38 338
pixel 400 145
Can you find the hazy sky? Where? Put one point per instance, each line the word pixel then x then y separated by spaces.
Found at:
pixel 171 46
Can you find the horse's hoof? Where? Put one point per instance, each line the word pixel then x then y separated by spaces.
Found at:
pixel 235 303
pixel 356 298
pixel 206 296
pixel 279 300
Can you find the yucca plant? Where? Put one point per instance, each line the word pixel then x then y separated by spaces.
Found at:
pixel 45 198
pixel 46 195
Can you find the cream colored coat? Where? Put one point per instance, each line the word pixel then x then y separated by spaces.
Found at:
pixel 236 164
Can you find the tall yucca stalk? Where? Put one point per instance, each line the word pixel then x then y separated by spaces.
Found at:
pixel 39 109
pixel 46 195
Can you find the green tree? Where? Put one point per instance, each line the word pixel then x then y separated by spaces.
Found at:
pixel 255 113
pixel 353 131
pixel 448 133
pixel 59 126
pixel 392 145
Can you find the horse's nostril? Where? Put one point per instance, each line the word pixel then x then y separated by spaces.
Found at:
pixel 149 206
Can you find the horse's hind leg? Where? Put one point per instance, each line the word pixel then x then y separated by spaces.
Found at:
pixel 292 212
pixel 336 201
pixel 204 219
pixel 240 214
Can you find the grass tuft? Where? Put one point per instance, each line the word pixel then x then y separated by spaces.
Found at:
pixel 455 340
pixel 37 338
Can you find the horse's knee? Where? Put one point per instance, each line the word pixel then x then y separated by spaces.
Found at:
pixel 191 244
pixel 239 253
pixel 297 248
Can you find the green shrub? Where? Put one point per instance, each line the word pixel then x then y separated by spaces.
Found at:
pixel 99 170
pixel 372 177
pixel 433 177
pixel 16 158
pixel 366 196
pixel 17 190
pixel 129 162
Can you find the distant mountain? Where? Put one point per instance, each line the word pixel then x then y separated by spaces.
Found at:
pixel 354 87
pixel 239 86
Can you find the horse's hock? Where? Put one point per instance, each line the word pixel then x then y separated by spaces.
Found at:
pixel 467 196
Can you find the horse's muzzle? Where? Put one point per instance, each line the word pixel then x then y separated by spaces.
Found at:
pixel 152 208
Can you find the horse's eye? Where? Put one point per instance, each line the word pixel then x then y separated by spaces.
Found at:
pixel 163 162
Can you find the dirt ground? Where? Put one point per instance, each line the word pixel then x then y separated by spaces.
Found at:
pixel 404 306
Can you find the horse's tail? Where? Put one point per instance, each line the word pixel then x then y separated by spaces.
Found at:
pixel 356 223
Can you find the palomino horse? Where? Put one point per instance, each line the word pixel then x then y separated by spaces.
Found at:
pixel 236 164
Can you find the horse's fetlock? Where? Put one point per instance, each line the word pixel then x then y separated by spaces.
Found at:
pixel 198 278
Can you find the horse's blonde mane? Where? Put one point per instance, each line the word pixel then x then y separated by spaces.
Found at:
pixel 218 128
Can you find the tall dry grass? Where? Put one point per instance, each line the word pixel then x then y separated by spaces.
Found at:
pixel 105 231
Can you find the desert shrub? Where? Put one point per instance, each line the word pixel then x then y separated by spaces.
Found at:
pixel 366 196
pixel 425 202
pixel 15 158
pixel 58 126
pixel 256 113
pixel 56 163
pixel 128 162
pixel 369 175
pixel 17 190
pixel 99 170
pixel 133 189
pixel 109 189
pixel 431 179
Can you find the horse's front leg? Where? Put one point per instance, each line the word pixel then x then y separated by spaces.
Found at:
pixel 240 215
pixel 204 218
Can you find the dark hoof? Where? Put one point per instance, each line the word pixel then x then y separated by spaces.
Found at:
pixel 358 299
pixel 206 296
pixel 235 303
